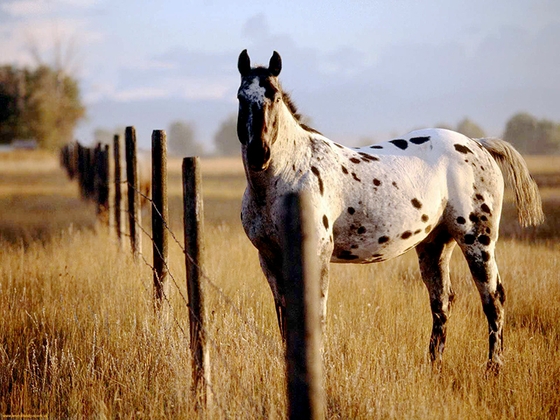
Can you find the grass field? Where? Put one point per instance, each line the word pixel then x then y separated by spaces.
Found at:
pixel 78 337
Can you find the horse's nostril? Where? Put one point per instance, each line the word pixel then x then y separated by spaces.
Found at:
pixel 258 156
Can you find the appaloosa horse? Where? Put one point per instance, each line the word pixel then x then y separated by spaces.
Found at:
pixel 430 189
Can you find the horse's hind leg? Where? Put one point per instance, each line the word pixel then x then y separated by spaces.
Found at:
pixel 482 264
pixel 434 254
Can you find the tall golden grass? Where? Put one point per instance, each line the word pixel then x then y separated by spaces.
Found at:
pixel 78 337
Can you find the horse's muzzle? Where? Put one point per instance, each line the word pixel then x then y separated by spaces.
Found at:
pixel 258 156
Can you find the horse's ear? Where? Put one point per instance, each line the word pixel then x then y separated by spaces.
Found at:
pixel 244 63
pixel 275 64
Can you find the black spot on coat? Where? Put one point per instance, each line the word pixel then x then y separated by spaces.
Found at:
pixel 361 230
pixel 355 160
pixel 325 221
pixel 344 170
pixel 375 146
pixel 406 235
pixel 469 239
pixel 484 239
pixel 400 143
pixel 368 158
pixel 383 239
pixel 462 149
pixel 356 177
pixel 419 140
pixel 425 217
pixel 346 255
pixel 376 182
pixel 417 204
pixel 351 210
pixel 485 208
pixel 319 179
pixel 461 220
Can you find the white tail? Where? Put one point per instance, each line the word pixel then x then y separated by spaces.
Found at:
pixel 513 166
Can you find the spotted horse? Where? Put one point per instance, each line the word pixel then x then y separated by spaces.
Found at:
pixel 429 190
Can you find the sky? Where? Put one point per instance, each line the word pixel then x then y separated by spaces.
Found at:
pixel 359 70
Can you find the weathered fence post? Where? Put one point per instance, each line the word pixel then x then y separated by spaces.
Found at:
pixel 159 215
pixel 302 292
pixel 82 170
pixel 90 173
pixel 101 181
pixel 117 179
pixel 134 217
pixel 194 258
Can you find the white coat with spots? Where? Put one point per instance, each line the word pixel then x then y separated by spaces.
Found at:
pixel 430 189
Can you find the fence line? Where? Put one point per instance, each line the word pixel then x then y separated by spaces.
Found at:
pixel 79 162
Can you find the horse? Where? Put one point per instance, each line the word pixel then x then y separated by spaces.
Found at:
pixel 430 190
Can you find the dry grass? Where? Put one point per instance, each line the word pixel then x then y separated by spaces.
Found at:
pixel 78 337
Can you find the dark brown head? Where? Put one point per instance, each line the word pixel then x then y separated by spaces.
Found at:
pixel 260 98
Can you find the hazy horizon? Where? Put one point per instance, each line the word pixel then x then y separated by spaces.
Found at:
pixel 359 70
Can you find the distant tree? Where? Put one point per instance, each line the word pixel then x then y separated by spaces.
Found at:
pixel 181 140
pixel 43 104
pixel 532 136
pixel 470 129
pixel 225 139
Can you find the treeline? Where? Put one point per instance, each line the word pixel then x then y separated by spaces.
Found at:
pixel 42 104
pixel 527 133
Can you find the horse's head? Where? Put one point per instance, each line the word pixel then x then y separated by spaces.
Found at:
pixel 260 100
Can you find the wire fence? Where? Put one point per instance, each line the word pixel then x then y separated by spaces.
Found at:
pixel 83 163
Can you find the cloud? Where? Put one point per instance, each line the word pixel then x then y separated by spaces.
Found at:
pixel 26 8
pixel 45 31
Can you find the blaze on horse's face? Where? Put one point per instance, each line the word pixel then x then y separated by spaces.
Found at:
pixel 259 98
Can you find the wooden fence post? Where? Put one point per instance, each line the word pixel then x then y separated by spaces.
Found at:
pixel 134 217
pixel 82 168
pixel 303 341
pixel 194 258
pixel 101 181
pixel 159 215
pixel 90 173
pixel 117 179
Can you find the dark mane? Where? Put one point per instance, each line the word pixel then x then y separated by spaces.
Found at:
pixel 297 116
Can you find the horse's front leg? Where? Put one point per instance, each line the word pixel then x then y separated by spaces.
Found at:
pixel 324 285
pixel 272 269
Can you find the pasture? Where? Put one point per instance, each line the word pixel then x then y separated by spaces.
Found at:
pixel 78 337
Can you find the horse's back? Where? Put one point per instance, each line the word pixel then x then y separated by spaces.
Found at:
pixel 427 179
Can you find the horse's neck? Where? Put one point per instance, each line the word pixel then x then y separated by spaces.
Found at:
pixel 292 147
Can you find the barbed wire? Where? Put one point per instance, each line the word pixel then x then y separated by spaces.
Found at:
pixel 176 321
pixel 228 300
pixel 205 331
pixel 208 280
